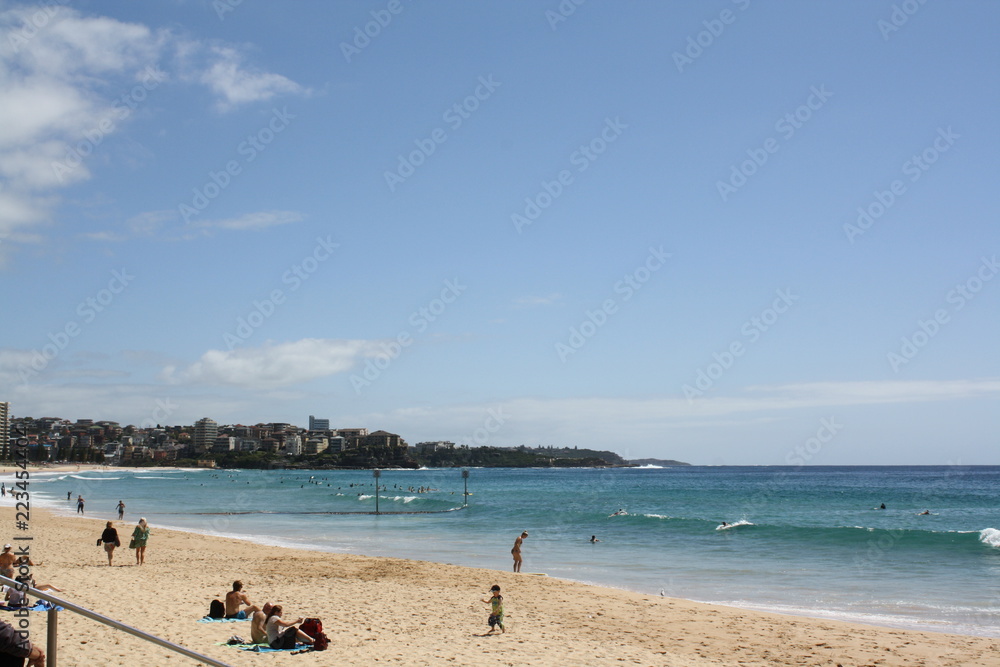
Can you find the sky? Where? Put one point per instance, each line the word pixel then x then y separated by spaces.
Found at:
pixel 727 232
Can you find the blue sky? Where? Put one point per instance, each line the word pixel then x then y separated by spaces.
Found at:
pixel 727 232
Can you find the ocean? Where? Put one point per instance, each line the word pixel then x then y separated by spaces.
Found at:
pixel 806 541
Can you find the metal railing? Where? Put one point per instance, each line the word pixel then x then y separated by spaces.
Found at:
pixel 53 625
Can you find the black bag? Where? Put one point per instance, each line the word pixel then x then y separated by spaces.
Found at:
pixel 99 541
pixel 217 609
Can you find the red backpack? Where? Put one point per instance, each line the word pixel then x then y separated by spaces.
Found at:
pixel 314 628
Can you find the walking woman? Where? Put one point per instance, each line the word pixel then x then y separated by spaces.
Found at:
pixel 110 539
pixel 139 538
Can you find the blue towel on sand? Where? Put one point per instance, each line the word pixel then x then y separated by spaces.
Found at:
pixel 41 605
pixel 263 648
pixel 209 619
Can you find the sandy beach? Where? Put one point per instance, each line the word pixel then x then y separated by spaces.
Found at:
pixel 383 610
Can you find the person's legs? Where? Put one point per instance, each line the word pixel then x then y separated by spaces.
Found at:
pixel 142 555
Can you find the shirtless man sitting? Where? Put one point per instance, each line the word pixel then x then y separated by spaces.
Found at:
pixel 258 631
pixel 7 560
pixel 235 599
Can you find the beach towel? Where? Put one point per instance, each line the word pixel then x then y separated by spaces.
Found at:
pixel 263 648
pixel 209 619
pixel 41 605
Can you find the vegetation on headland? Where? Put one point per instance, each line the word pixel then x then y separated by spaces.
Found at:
pixel 460 456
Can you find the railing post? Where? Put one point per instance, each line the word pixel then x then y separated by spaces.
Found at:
pixel 50 645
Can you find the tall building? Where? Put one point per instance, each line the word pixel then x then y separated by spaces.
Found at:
pixel 5 429
pixel 318 424
pixel 205 432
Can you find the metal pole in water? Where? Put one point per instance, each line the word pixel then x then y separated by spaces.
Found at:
pixel 377 473
pixel 465 494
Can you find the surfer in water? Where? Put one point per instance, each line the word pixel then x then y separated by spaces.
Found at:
pixel 620 512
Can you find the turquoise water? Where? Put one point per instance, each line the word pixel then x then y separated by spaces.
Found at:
pixel 806 541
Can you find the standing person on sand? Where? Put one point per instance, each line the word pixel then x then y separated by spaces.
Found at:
pixel 110 540
pixel 516 551
pixel 496 609
pixel 140 535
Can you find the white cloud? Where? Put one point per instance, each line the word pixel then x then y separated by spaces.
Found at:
pixel 616 421
pixel 275 365
pixel 165 224
pixel 64 74
pixel 235 85
pixel 530 301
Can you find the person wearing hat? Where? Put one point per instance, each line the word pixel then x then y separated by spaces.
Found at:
pixel 140 535
pixel 516 551
pixel 7 560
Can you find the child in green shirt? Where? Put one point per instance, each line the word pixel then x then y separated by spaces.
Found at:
pixel 496 609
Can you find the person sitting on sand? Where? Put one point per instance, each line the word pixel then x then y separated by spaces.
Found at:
pixel 516 551
pixel 496 609
pixel 110 540
pixel 7 560
pixel 278 638
pixel 14 597
pixel 29 580
pixel 14 648
pixel 235 599
pixel 258 633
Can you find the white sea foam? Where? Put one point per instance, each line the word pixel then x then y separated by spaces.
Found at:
pixel 94 479
pixel 990 536
pixel 657 516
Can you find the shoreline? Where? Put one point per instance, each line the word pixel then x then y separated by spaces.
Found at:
pixel 378 609
pixel 787 610
pixel 875 617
